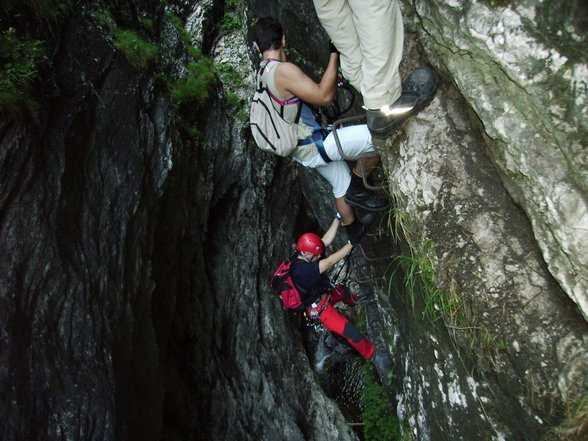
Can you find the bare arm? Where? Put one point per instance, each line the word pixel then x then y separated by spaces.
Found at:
pixel 291 81
pixel 330 234
pixel 329 262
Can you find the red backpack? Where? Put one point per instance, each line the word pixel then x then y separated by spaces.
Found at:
pixel 283 285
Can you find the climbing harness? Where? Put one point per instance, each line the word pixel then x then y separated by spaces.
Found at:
pixel 316 308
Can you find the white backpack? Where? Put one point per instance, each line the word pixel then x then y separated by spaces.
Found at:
pixel 270 131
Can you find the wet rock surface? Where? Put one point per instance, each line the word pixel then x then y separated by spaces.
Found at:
pixel 134 262
pixel 136 238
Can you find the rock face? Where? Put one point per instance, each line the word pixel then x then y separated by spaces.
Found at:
pixel 504 310
pixel 135 257
pixel 137 236
pixel 507 273
pixel 528 87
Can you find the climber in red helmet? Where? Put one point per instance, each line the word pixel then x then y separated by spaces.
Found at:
pixel 319 294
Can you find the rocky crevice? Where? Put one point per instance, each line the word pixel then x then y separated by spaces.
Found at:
pixel 135 253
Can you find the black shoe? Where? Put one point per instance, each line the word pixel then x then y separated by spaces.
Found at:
pixel 422 82
pixel 417 89
pixel 383 364
pixel 357 229
pixel 384 123
pixel 359 196
pixel 364 294
pixel 366 199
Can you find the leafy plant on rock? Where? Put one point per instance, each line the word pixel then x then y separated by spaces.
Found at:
pixel 139 52
pixel 19 61
pixel 380 422
pixel 196 84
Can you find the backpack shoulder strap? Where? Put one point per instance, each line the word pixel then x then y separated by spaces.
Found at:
pixel 262 70
pixel 294 261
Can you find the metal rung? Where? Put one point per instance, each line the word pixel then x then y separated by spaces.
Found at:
pixel 374 154
pixel 362 272
pixel 372 259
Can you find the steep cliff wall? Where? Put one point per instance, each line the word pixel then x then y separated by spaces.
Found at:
pixel 139 224
pixel 492 179
pixel 528 87
pixel 136 240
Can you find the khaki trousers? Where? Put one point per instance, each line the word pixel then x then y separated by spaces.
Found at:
pixel 370 36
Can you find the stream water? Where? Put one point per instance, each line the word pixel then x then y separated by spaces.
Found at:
pixel 339 370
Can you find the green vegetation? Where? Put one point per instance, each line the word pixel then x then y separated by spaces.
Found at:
pixel 399 226
pixel 575 426
pixel 41 9
pixel 196 85
pixel 183 33
pixel 105 19
pixel 238 105
pixel 419 281
pixel 229 75
pixel 498 3
pixel 19 60
pixel 422 294
pixel 230 23
pixel 200 72
pixel 179 26
pixel 139 52
pixel 380 421
pixel 147 23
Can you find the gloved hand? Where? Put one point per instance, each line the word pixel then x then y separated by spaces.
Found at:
pixel 332 48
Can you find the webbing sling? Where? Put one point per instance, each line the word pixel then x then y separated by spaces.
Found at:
pixel 318 134
pixel 317 137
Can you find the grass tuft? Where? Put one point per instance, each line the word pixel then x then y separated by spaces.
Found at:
pixel 139 52
pixel 379 419
pixel 196 85
pixel 19 61
pixel 575 426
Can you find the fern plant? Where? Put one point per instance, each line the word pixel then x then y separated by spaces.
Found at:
pixel 19 60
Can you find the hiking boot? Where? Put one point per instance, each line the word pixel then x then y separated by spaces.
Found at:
pixel 363 295
pixel 383 363
pixel 357 229
pixel 359 196
pixel 366 199
pixel 417 89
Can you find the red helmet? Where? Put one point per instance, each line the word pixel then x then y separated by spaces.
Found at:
pixel 310 243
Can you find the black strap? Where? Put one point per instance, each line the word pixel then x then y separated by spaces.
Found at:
pixel 294 262
pixel 317 137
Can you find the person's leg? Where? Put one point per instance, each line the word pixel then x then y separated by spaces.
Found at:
pixel 366 166
pixel 355 142
pixel 332 320
pixel 336 18
pixel 345 210
pixel 338 175
pixel 380 30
